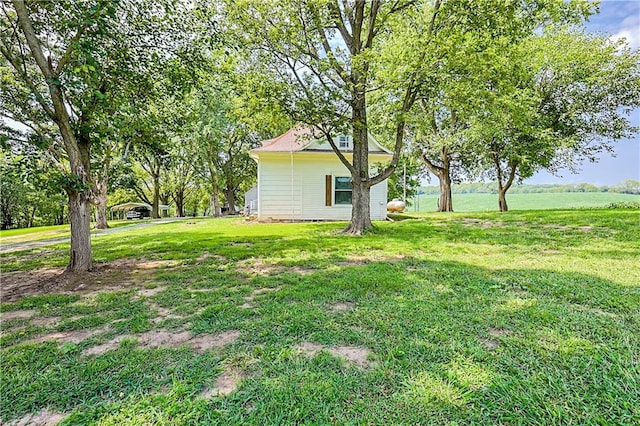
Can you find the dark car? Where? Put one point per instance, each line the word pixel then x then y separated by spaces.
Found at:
pixel 138 213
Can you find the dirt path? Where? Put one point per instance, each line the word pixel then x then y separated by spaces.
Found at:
pixel 9 248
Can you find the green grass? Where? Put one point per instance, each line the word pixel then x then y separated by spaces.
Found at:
pixel 532 201
pixel 526 317
pixel 39 233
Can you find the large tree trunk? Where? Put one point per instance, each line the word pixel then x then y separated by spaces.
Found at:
pixel 443 173
pixel 76 150
pixel 502 200
pixel 360 209
pixel 503 187
pixel 80 220
pixel 230 193
pixel 361 189
pixel 445 202
pixel 100 201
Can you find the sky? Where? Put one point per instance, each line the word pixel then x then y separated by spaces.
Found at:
pixel 617 19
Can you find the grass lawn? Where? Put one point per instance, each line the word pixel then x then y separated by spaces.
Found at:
pixel 528 317
pixel 562 200
pixel 38 233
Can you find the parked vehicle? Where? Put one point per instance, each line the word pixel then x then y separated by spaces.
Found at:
pixel 138 213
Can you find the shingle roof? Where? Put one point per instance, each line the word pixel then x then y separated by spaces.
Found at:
pixel 293 140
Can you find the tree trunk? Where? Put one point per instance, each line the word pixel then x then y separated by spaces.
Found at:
pixel 80 220
pixel 230 193
pixel 100 201
pixel 361 190
pixel 502 200
pixel 215 198
pixel 179 203
pixel 445 202
pixel 76 150
pixel 155 206
pixel 360 209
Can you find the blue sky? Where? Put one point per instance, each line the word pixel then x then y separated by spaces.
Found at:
pixel 616 19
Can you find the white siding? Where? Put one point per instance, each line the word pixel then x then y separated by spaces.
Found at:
pixel 296 189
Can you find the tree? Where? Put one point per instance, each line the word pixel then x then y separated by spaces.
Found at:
pixel 73 64
pixel 554 100
pixel 45 65
pixel 321 57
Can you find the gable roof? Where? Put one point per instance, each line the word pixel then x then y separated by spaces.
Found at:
pixel 301 137
pixel 295 139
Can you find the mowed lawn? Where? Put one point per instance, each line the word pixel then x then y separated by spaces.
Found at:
pixel 477 318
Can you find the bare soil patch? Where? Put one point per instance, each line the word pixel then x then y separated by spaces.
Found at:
pixel 260 291
pixel 256 267
pixel 225 384
pixel 75 336
pixel 159 338
pixel 259 267
pixel 490 344
pixel 498 332
pixel 342 306
pixel 148 292
pixel 43 418
pixel 48 322
pixel 206 255
pixel 117 275
pixel 207 341
pixel 11 315
pixel 352 354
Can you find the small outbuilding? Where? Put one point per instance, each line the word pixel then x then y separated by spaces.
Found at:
pixel 300 177
pixel 126 207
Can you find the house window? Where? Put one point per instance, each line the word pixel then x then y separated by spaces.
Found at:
pixel 342 190
pixel 344 142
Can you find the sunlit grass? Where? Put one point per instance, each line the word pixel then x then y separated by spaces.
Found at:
pixel 485 318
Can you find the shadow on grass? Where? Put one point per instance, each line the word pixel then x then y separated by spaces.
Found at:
pixel 449 342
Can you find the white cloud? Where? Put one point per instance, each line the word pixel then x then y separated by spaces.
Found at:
pixel 632 35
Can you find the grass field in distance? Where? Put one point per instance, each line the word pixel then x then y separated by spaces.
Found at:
pixel 530 201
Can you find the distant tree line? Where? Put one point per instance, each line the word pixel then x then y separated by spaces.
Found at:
pixel 626 187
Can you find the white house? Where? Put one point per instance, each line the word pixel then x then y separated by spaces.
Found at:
pixel 301 178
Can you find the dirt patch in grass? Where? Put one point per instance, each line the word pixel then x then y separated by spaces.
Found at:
pixel 260 291
pixel 11 315
pixel 356 259
pixel 352 354
pixel 207 341
pixel 498 332
pixel 256 267
pixel 75 336
pixel 490 344
pixel 342 306
pixel 148 292
pixel 206 255
pixel 48 322
pixel 225 384
pixel 162 313
pixel 118 275
pixel 260 267
pixel 43 418
pixel 166 339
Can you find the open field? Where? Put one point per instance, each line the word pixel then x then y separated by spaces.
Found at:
pixel 531 201
pixel 486 318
